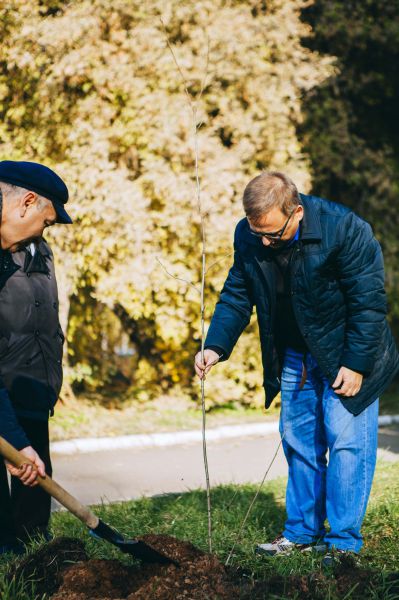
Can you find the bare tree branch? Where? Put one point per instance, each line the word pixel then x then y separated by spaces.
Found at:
pixel 186 281
pixel 206 68
pixel 189 98
pixel 217 262
pixel 253 502
pixel 193 106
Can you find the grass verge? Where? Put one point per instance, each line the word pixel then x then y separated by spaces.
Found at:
pixel 98 416
pixel 90 418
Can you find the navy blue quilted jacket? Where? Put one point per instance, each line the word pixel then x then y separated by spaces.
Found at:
pixel 337 287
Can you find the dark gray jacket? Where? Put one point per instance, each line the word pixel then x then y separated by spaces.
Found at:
pixel 31 340
pixel 337 287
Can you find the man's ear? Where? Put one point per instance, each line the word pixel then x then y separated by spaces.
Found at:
pixel 26 201
pixel 300 211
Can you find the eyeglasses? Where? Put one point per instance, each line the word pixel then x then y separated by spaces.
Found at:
pixel 276 235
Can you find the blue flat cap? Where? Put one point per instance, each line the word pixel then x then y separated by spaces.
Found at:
pixel 40 179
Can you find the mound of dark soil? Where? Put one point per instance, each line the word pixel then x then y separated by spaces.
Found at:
pixel 46 565
pixel 199 576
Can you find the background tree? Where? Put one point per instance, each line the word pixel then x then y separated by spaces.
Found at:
pixel 89 88
pixel 351 121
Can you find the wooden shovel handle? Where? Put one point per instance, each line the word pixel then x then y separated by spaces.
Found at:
pixel 51 487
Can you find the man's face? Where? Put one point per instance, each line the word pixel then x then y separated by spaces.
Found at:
pixel 24 220
pixel 273 222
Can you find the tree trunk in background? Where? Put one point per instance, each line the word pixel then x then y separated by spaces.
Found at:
pixel 142 332
pixel 64 282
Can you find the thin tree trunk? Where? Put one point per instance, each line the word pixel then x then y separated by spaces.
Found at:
pixel 67 395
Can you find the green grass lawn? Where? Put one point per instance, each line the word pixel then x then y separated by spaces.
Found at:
pixel 184 516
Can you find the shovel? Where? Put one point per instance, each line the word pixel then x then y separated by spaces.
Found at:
pixel 98 528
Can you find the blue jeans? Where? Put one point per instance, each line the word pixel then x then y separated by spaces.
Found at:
pixel 313 420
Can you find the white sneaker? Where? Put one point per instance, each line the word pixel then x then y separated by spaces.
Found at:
pixel 335 557
pixel 283 546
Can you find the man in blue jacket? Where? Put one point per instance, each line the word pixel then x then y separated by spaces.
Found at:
pixel 314 272
pixel 32 199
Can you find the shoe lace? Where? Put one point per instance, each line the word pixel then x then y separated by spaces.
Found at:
pixel 279 539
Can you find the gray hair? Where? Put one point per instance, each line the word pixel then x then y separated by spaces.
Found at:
pixel 11 191
pixel 268 190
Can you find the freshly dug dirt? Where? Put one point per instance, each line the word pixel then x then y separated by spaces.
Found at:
pixel 46 565
pixel 199 576
pixel 178 550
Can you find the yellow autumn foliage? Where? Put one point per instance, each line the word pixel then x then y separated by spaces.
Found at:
pixel 90 88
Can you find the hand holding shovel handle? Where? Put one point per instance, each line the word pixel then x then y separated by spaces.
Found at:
pixel 51 487
pixel 97 527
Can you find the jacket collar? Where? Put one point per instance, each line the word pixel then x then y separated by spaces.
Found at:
pixel 6 262
pixel 310 224
pixel 43 248
pixel 36 263
pixel 7 267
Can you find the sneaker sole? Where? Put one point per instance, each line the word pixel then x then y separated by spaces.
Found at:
pixel 318 548
pixel 272 552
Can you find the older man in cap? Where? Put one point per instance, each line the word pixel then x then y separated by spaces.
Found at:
pixel 32 197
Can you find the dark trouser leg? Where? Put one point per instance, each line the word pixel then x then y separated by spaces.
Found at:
pixel 31 507
pixel 7 530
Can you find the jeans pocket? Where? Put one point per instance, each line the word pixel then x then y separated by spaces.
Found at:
pixel 291 378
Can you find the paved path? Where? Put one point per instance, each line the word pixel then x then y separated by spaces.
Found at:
pixel 131 473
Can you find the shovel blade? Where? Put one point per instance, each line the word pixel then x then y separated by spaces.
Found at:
pixel 135 548
pixel 144 552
